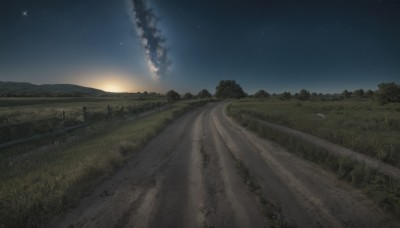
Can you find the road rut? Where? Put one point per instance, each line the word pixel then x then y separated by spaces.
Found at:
pixel 204 170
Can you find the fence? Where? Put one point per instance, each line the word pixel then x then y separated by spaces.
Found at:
pixel 18 133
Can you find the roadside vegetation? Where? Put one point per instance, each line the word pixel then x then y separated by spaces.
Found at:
pixel 356 122
pixel 360 125
pixel 37 185
pixel 22 118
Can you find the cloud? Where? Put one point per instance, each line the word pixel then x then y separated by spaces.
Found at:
pixel 152 40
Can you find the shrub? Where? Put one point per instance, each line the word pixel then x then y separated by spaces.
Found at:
pixel 229 89
pixel 172 96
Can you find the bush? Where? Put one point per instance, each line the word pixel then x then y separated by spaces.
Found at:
pixel 261 94
pixel 229 89
pixel 387 93
pixel 172 96
pixel 304 95
pixel 204 94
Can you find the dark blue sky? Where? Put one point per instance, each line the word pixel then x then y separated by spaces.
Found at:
pixel 323 46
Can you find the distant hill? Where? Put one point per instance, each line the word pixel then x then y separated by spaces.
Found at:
pixel 24 89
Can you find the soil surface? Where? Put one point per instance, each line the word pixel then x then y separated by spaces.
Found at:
pixel 204 170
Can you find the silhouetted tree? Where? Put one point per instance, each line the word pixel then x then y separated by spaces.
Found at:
pixel 387 93
pixel 188 96
pixel 285 96
pixel 261 94
pixel 359 93
pixel 346 94
pixel 172 96
pixel 204 94
pixel 229 89
pixel 304 95
pixel 369 93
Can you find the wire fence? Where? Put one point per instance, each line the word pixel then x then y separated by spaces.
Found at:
pixel 17 133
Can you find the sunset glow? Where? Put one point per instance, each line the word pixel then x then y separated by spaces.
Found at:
pixel 110 81
pixel 112 87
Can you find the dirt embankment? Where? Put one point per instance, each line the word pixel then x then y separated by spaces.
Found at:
pixel 206 171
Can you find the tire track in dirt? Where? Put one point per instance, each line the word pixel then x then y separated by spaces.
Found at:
pixel 129 196
pixel 180 202
pixel 204 170
pixel 318 198
pixel 229 202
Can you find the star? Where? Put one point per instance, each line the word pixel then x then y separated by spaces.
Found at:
pixel 25 13
pixel 121 44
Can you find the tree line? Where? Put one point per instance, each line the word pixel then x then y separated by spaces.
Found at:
pixel 230 89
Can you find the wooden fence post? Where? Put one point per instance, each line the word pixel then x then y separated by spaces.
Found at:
pixel 84 114
pixel 108 112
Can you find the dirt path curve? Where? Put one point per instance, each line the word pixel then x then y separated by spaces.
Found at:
pixel 338 150
pixel 205 171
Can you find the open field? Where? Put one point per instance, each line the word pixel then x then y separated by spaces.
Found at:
pixel 36 185
pixel 366 128
pixel 16 110
pixel 27 117
pixel 360 125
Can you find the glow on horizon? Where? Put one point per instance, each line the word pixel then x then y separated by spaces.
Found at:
pixel 112 87
pixel 110 81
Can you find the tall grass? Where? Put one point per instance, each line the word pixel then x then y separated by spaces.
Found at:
pixel 37 186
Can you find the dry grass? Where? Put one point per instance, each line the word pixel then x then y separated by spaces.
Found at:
pixel 36 186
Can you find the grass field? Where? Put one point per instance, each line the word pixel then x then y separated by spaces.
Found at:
pixel 27 117
pixel 357 124
pixel 38 185
pixel 16 110
pixel 360 125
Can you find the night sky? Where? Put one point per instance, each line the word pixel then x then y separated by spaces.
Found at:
pixel 156 45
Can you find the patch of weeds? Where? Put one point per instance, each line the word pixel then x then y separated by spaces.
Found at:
pixel 126 147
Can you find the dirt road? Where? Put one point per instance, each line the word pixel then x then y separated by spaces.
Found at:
pixel 206 171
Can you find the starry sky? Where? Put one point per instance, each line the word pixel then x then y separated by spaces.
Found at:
pixel 156 45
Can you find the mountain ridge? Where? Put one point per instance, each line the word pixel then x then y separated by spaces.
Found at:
pixel 26 89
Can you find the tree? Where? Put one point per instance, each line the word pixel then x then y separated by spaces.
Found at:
pixel 304 95
pixel 359 93
pixel 388 92
pixel 369 93
pixel 188 96
pixel 285 96
pixel 229 89
pixel 261 94
pixel 172 96
pixel 204 94
pixel 346 94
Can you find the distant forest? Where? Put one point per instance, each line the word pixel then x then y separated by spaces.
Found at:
pixel 386 93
